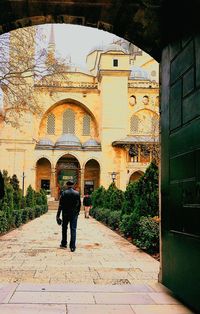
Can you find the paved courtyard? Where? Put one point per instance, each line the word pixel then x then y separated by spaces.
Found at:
pixel 106 274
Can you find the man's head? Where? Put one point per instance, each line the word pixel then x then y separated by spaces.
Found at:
pixel 69 183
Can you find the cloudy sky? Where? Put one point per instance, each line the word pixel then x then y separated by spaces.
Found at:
pixel 77 41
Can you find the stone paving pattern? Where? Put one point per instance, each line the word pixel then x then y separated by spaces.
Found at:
pixel 106 273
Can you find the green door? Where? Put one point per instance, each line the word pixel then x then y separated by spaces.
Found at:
pixel 180 169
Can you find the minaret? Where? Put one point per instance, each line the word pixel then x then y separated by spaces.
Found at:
pixel 51 55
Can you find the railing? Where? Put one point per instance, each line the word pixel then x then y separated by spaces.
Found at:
pixel 87 85
pixel 143 84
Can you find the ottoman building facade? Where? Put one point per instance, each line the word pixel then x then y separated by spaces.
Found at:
pixel 97 125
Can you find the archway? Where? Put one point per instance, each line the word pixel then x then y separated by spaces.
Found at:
pixel 135 176
pixel 180 60
pixel 91 176
pixel 43 175
pixel 67 168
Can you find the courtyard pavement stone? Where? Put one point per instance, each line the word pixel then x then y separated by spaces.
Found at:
pixel 106 273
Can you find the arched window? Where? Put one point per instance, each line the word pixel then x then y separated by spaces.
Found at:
pixel 51 124
pixel 134 127
pixel 86 124
pixel 69 122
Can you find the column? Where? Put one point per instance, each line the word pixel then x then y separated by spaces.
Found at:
pixel 82 171
pixel 53 183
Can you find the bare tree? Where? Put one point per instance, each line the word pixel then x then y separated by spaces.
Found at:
pixel 24 60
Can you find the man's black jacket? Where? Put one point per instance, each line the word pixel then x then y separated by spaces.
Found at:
pixel 70 203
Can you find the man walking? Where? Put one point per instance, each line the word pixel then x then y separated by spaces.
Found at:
pixel 69 204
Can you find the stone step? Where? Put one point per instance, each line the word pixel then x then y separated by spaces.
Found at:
pixel 53 205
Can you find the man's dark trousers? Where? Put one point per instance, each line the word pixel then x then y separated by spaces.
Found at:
pixel 73 224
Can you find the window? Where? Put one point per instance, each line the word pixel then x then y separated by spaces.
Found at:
pixel 134 125
pixel 51 124
pixel 86 124
pixel 145 153
pixel 115 62
pixel 69 122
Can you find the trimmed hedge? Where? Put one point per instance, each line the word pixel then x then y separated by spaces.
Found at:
pixel 148 234
pixel 131 211
pixel 16 209
pixel 3 222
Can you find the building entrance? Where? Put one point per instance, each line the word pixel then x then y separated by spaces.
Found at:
pixel 67 168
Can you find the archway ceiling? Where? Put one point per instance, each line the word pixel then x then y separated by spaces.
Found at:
pixel 149 24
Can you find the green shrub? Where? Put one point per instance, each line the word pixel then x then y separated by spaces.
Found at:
pixel 23 202
pixel 147 196
pixel 38 198
pixel 108 194
pixel 38 211
pixel 3 222
pixel 8 204
pixel 129 198
pixel 10 219
pixel 93 211
pixel 31 213
pixel 148 235
pixel 129 224
pixel 44 196
pixel 98 197
pixel 30 197
pixel 17 214
pixel 44 209
pixel 113 219
pixel 25 215
pixel 17 193
pixel 102 214
pixel 116 199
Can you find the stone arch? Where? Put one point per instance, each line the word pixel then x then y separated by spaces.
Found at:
pixel 67 168
pixel 144 117
pixel 152 32
pixel 118 17
pixel 43 174
pixel 135 176
pixel 74 154
pixel 43 156
pixel 89 158
pixel 91 175
pixel 70 101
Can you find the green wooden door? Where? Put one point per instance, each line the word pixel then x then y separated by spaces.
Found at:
pixel 180 169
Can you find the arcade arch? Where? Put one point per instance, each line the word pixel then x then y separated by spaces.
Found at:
pixel 43 174
pixel 91 176
pixel 67 168
pixel 135 176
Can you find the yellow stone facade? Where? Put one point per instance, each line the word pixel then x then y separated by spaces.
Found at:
pixel 89 121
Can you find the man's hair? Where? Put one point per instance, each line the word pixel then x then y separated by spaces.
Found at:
pixel 69 183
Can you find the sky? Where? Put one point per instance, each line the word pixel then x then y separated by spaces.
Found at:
pixel 77 41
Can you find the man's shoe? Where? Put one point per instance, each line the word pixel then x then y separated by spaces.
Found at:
pixel 63 246
pixel 72 249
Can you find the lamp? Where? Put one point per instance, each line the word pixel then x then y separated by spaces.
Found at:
pixel 113 176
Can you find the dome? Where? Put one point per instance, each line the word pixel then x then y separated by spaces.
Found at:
pixel 115 47
pixel 138 73
pixel 68 140
pixel 95 48
pixel 45 142
pixel 91 143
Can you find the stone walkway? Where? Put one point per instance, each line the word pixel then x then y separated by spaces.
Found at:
pixel 106 274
